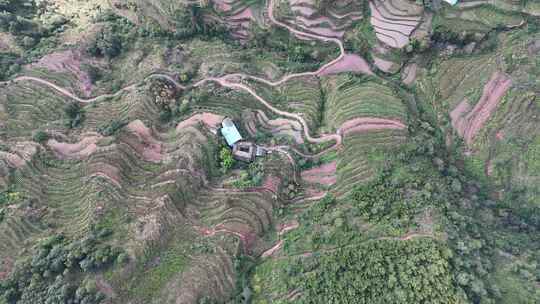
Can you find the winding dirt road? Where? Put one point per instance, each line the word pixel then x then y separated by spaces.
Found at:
pixel 232 81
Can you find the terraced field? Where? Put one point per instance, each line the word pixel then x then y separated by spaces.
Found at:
pixel 151 171
pixel 474 73
pixel 350 98
pixel 395 20
pixel 331 20
pixel 362 158
pixel 488 130
pixel 24 108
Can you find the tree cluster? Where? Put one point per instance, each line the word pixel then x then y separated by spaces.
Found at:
pixel 74 113
pixel 414 271
pixel 52 274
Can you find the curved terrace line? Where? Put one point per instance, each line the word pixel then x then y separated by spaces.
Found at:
pixel 225 81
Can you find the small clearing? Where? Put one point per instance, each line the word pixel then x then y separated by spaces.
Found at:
pixel 408 76
pixel 348 63
pixel 368 123
pixel 69 61
pixel 286 227
pixel 271 183
pixel 324 174
pixel 272 250
pixel 211 120
pixel 383 65
pixel 151 149
pixel 80 150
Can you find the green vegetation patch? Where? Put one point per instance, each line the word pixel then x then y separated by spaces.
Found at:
pixel 414 271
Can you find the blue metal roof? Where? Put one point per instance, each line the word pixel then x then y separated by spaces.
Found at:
pixel 452 2
pixel 230 132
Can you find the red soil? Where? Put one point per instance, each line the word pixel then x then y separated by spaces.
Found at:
pixel 499 135
pixel 151 148
pixel 80 150
pixel 67 61
pixel 383 65
pixel 409 74
pixel 304 10
pixel 271 183
pixel 222 5
pixel 369 123
pixel 325 174
pixel 243 233
pixel 209 119
pixel 108 172
pixel 272 250
pixel 6 266
pixel 488 167
pixel 286 227
pixel 470 124
pixel 312 193
pixel 246 14
pixel 13 160
pixel 19 153
pixel 390 29
pixel 349 63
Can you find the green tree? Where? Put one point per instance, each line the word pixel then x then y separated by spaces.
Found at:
pixel 226 159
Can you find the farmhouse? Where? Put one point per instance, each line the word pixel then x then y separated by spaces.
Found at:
pixel 242 150
pixel 230 132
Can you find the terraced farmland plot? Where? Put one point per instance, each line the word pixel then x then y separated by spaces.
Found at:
pixel 301 95
pixel 395 20
pixel 331 19
pixel 460 78
pixel 362 157
pixel 24 108
pixel 17 232
pixel 350 98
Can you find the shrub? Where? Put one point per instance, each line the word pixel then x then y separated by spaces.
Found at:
pixel 93 72
pixel 226 159
pixel 107 43
pixel 40 136
pixel 111 128
pixel 75 114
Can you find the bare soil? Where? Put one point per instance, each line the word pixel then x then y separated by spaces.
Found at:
pixel 151 148
pixel 80 150
pixel 468 122
pixel 271 183
pixel 349 63
pixel 369 123
pixel 409 74
pixel 286 227
pixel 6 266
pixel 272 250
pixel 324 174
pixel 211 120
pixel 383 65
pixel 12 159
pixel 69 61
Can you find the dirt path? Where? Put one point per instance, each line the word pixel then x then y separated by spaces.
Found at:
pixel 69 94
pixel 232 81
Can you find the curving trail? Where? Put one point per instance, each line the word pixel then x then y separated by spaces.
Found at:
pixel 232 81
pixel 299 33
pixel 67 93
